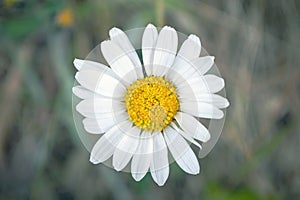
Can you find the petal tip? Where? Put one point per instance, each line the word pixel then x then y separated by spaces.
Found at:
pixel 118 166
pixel 78 108
pixel 195 38
pixel 207 138
pixel 105 42
pixel 114 31
pixel 76 60
pixel 78 63
pixel 223 82
pixel 168 28
pixel 76 76
pixel 136 177
pixel 220 115
pixel 150 26
pixel 227 104
pixel 74 90
pixel 161 182
pixel 94 161
pixel 117 169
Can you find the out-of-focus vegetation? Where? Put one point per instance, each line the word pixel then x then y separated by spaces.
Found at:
pixel 256 44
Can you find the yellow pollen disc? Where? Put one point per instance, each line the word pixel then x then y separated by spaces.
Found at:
pixel 151 103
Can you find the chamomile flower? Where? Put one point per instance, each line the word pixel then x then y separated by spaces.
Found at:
pixel 147 109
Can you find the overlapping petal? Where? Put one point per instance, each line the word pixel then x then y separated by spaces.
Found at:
pixel 121 39
pixel 203 110
pixel 181 151
pixel 165 51
pixel 214 99
pixel 91 65
pixel 126 148
pixel 182 67
pixel 159 166
pixel 141 160
pixel 192 127
pixel 100 82
pixel 119 61
pixel 84 93
pixel 203 64
pixel 148 46
pixel 99 105
pixel 97 123
pixel 106 145
pixel 188 136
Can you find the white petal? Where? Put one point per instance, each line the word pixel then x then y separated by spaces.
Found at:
pixel 165 51
pixel 84 93
pixel 105 146
pixel 101 83
pixel 200 109
pixel 159 166
pixel 88 64
pixel 186 135
pixel 92 126
pixel 203 64
pixel 192 126
pixel 90 107
pixel 141 159
pixel 190 48
pixel 189 87
pixel 181 70
pixel 86 109
pixel 214 83
pixel 182 67
pixel 121 39
pixel 181 151
pixel 148 45
pixel 126 148
pixel 103 122
pixel 119 61
pixel 214 99
pixel 119 115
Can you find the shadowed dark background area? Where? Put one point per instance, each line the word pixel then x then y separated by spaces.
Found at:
pixel 256 45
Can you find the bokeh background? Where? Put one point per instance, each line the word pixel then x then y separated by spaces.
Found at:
pixel 256 44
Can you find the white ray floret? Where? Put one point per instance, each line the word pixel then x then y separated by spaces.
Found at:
pixel 148 46
pixel 142 158
pixel 119 61
pixel 121 39
pixel 181 151
pixel 165 51
pixel 159 166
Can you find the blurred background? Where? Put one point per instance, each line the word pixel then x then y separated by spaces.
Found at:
pixel 256 44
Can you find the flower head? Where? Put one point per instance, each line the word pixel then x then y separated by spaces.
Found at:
pixel 65 17
pixel 145 109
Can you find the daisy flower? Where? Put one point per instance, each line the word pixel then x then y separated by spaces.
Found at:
pixel 148 109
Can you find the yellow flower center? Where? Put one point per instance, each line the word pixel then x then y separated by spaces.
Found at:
pixel 151 103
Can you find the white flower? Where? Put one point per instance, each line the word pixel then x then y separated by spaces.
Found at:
pixel 143 110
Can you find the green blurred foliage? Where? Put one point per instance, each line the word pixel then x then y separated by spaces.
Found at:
pixel 219 192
